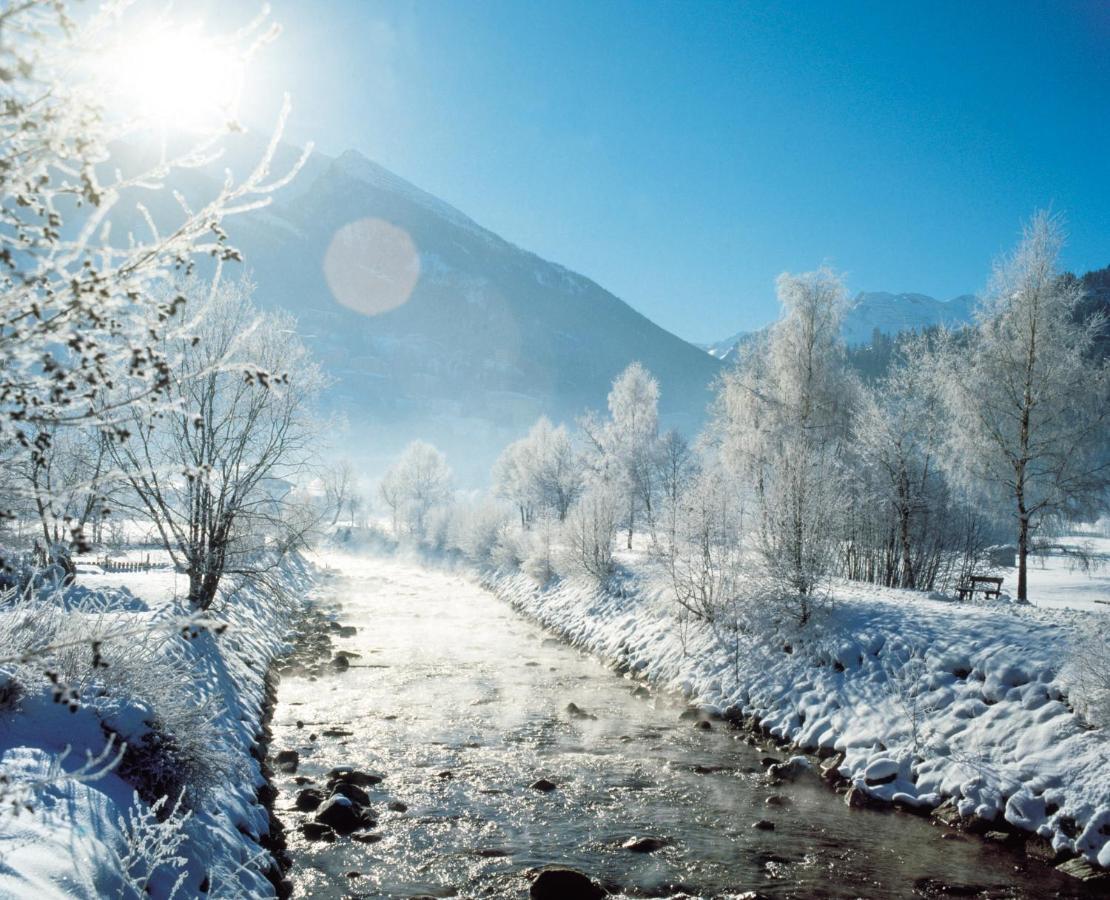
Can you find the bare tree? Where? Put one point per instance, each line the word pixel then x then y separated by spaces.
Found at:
pixel 339 485
pixel 84 309
pixel 216 474
pixel 1026 405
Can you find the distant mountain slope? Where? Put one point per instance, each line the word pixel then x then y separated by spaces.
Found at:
pixel 490 337
pixel 868 311
pixel 892 313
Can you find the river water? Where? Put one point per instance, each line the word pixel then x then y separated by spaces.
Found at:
pixel 450 680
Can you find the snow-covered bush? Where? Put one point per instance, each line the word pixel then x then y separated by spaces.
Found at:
pixel 1088 672
pixel 150 861
pixel 705 553
pixel 129 670
pixel 476 528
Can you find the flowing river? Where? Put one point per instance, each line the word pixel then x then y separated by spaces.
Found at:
pixel 461 705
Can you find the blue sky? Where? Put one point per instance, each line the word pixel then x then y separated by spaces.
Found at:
pixel 683 154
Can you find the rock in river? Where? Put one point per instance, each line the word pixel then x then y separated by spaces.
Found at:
pixel 544 785
pixel 352 776
pixel 577 712
pixel 309 799
pixel 287 761
pixel 564 884
pixel 644 844
pixel 340 814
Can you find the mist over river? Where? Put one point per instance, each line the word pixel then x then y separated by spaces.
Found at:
pixel 461 705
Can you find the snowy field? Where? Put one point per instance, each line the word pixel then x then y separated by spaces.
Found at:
pixel 1057 579
pixel 94 837
pixel 924 699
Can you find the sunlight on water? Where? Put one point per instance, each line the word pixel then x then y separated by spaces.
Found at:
pixel 448 679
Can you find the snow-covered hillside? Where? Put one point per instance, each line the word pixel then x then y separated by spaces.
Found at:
pixel 868 311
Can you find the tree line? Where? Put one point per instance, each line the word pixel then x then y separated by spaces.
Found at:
pixel 809 469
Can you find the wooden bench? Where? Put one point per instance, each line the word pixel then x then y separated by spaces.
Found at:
pixel 988 585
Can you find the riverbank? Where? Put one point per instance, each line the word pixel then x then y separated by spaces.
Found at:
pixel 191 707
pixel 918 702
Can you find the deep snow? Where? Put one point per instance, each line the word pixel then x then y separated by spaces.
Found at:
pixel 75 842
pixel 953 700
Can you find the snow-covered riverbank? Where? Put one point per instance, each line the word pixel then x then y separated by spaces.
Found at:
pixel 924 699
pixel 191 711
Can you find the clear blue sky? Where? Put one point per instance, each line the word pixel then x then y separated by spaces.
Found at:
pixel 683 154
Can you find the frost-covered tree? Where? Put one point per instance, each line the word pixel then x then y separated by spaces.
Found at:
pixel 626 444
pixel 85 307
pixel 782 419
pixel 897 433
pixel 1027 408
pixel 417 482
pixel 589 530
pixel 540 474
pixel 217 472
pixel 705 556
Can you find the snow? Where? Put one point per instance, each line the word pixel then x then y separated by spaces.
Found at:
pixel 75 841
pixel 926 699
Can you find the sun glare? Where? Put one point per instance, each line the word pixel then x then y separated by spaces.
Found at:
pixel 176 77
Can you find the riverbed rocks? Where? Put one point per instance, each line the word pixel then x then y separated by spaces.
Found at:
pixel 543 785
pixel 1083 870
pixel 577 712
pixel 564 884
pixel 343 815
pixel 644 844
pixel 287 761
pixel 354 776
pixel 309 799
pixel 352 792
pixel 764 825
pixel 340 663
pixel 791 770
pixel 317 831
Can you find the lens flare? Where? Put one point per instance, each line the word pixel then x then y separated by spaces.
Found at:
pixel 371 266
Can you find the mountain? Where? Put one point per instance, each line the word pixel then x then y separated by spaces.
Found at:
pixel 435 327
pixel 892 313
pixel 868 311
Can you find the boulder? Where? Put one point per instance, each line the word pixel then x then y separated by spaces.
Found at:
pixel 316 831
pixel 341 815
pixel 793 768
pixel 644 844
pixel 340 664
pixel 353 776
pixel 577 712
pixel 352 792
pixel 397 806
pixel 287 761
pixel 763 825
pixel 543 785
pixel 564 884
pixel 309 799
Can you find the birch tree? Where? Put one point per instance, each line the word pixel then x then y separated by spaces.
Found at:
pixel 626 444
pixel 782 419
pixel 1026 403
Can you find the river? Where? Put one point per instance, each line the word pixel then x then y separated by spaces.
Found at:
pixel 461 705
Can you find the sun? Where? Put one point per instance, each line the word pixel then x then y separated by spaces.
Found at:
pixel 176 77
